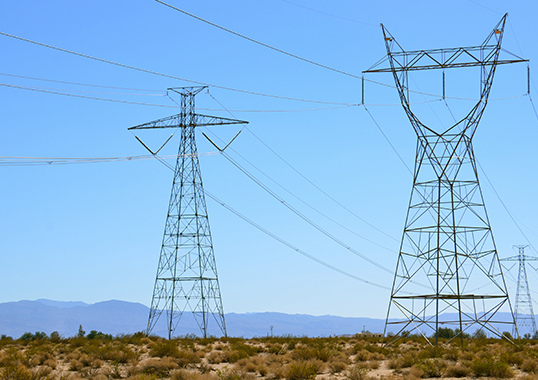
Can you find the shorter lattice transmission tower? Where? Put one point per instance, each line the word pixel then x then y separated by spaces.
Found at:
pixel 524 315
pixel 187 280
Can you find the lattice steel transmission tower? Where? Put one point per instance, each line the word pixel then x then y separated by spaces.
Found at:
pixel 448 263
pixel 187 280
pixel 524 315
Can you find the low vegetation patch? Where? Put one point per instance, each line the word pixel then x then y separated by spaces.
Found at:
pixel 99 356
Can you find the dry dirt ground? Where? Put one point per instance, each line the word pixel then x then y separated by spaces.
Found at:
pixel 137 357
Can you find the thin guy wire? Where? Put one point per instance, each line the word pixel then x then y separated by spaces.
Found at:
pixel 289 245
pixel 328 14
pixel 533 107
pixel 506 208
pixel 33 161
pixel 386 138
pixel 63 90
pixel 78 84
pixel 162 105
pixel 85 97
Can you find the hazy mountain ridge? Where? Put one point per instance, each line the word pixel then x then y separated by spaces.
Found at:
pixel 121 317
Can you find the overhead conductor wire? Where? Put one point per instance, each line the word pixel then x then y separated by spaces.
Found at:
pixel 308 180
pixel 167 75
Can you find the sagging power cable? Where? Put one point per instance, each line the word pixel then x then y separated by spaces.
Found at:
pixel 279 239
pixel 166 75
pixel 302 216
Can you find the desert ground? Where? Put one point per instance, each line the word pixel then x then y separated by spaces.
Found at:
pixel 100 356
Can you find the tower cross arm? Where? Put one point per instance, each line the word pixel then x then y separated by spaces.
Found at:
pixel 518 258
pixel 182 120
pixel 443 59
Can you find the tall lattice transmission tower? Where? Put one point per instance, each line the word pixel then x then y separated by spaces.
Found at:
pixel 524 314
pixel 448 272
pixel 187 281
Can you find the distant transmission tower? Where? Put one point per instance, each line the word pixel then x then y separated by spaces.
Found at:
pixel 524 315
pixel 448 263
pixel 187 280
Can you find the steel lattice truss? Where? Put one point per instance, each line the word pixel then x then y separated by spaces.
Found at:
pixel 524 314
pixel 187 280
pixel 448 272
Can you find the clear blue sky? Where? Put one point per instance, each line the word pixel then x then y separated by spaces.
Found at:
pixel 92 232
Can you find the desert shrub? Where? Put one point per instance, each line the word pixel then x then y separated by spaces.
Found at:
pixel 186 357
pixel 431 352
pixel 373 364
pixel 275 371
pixel 183 374
pixel 412 373
pixel 530 366
pixel 138 376
pixel 263 370
pixel 234 374
pixel 246 365
pixel 362 356
pixel 75 365
pixel 118 355
pixel 301 370
pixel 357 373
pixel 403 361
pixel 16 371
pixel 52 363
pixel 165 348
pixel 432 367
pixel 137 338
pixel 457 370
pixel 452 353
pixel 491 368
pixel 394 364
pixel 219 347
pixel 215 357
pixel 373 348
pixel 159 367
pixel 526 376
pixel 512 358
pixel 337 366
pixel 275 348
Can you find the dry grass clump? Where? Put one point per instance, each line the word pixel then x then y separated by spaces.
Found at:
pixel 491 367
pixel 301 370
pixel 159 367
pixel 530 366
pixel 457 370
pixel 357 373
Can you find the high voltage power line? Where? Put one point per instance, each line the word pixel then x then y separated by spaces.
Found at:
pixel 219 86
pixel 279 239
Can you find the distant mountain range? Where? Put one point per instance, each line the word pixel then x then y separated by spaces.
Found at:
pixel 120 317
